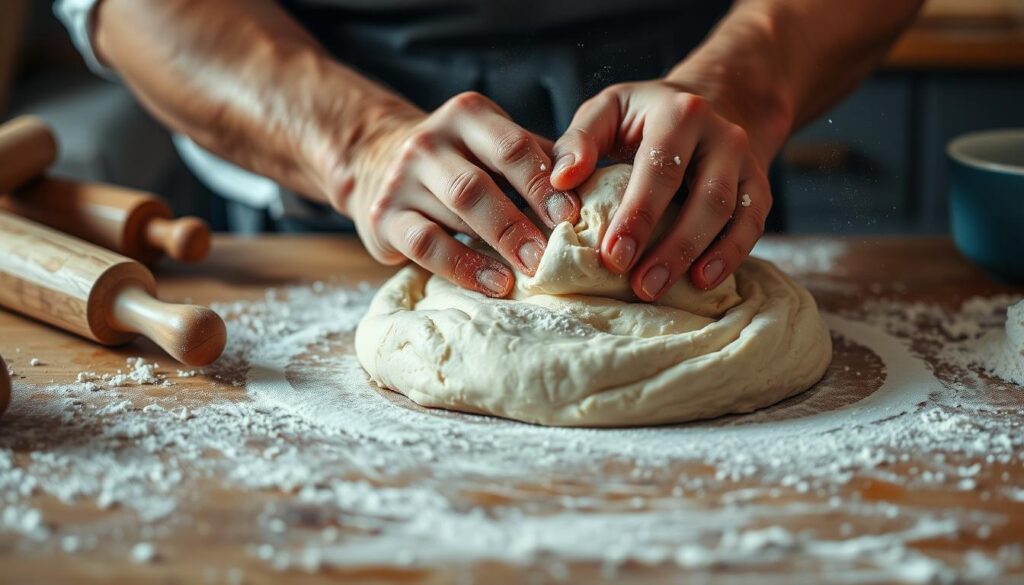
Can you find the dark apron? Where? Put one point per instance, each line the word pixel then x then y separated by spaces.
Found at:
pixel 537 59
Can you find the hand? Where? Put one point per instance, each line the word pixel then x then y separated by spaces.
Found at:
pixel 674 138
pixel 430 175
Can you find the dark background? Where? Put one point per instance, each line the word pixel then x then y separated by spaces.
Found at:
pixel 875 164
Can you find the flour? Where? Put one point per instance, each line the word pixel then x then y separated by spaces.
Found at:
pixel 805 256
pixel 143 552
pixel 986 333
pixel 362 477
pixel 1003 351
pixel 139 373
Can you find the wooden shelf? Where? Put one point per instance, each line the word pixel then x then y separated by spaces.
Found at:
pixel 963 44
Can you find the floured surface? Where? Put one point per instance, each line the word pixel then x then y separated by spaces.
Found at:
pixel 903 464
pixel 575 347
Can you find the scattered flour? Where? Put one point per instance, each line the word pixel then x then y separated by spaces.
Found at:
pixel 805 256
pixel 986 333
pixel 139 373
pixel 144 552
pixel 360 476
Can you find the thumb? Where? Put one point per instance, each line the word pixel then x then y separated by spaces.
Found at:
pixel 590 136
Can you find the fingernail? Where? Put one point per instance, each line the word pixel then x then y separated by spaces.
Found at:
pixel 654 280
pixel 530 253
pixel 712 270
pixel 622 253
pixel 563 163
pixel 493 280
pixel 559 207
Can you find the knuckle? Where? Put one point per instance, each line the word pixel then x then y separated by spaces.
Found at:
pixel 686 251
pixel 731 251
pixel 341 192
pixel 615 90
pixel 378 249
pixel 688 105
pixel 466 189
pixel 394 179
pixel 385 256
pixel 468 101
pixel 513 233
pixel 662 164
pixel 378 209
pixel 422 241
pixel 640 220
pixel 578 138
pixel 538 187
pixel 514 146
pixel 736 137
pixel 603 99
pixel 756 217
pixel 422 142
pixel 579 133
pixel 719 196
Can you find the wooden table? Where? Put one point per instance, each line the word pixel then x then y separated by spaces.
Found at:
pixel 917 269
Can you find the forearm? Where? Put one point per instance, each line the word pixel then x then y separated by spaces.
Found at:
pixel 773 65
pixel 245 81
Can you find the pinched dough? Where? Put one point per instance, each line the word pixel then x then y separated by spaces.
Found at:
pixel 574 348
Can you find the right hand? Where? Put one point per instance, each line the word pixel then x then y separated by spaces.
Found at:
pixel 428 176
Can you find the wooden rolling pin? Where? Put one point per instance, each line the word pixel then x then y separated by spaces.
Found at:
pixel 97 293
pixel 134 223
pixel 5 387
pixel 27 148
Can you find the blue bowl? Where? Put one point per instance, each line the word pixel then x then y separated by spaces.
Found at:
pixel 986 199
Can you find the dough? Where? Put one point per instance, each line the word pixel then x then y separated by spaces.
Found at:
pixel 573 348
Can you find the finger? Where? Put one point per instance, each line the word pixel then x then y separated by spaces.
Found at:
pixel 471 194
pixel 746 227
pixel 590 135
pixel 429 245
pixel 425 202
pixel 659 166
pixel 708 207
pixel 505 147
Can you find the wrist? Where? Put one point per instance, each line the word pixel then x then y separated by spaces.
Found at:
pixel 353 124
pixel 740 72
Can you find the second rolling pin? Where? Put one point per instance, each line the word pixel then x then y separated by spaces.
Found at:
pixel 134 223
pixel 27 148
pixel 98 294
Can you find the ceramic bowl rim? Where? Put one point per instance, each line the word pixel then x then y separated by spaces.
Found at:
pixel 955 150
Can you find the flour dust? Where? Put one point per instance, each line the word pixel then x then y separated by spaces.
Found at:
pixel 346 474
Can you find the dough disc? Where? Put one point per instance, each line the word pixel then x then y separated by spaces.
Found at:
pixel 572 349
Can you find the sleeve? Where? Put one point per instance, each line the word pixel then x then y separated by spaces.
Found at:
pixel 77 16
pixel 221 176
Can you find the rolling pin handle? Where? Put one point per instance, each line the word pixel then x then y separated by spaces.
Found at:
pixel 192 335
pixel 186 239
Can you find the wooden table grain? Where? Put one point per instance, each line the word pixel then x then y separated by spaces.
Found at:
pixel 925 269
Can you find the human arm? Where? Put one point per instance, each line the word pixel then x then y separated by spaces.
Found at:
pixel 248 83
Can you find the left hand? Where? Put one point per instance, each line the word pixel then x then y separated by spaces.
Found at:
pixel 674 138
